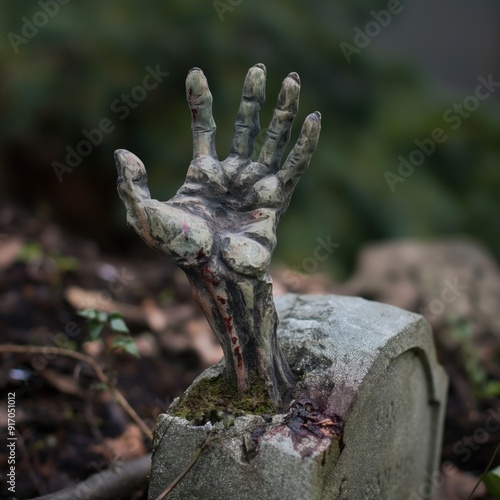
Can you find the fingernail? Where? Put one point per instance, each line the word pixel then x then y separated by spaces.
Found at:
pixel 197 85
pixel 120 152
pixel 261 66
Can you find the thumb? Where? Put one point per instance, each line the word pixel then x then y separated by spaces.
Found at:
pixel 132 179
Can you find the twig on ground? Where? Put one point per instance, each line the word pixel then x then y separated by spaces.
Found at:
pixel 481 477
pixel 29 349
pixel 118 482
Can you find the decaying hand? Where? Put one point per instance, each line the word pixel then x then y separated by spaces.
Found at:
pixel 220 227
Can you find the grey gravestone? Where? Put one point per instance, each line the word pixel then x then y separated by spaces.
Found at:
pixel 366 422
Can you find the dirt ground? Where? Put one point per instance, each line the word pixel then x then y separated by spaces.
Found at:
pixel 68 428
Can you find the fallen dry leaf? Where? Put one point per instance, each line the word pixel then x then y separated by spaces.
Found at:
pixel 9 250
pixel 453 484
pixel 128 446
pixel 156 317
pixel 204 341
pixel 195 334
pixel 147 344
pixel 100 299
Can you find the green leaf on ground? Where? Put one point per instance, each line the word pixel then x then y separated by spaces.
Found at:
pixel 95 329
pixel 88 313
pixel 127 345
pixel 117 323
pixel 492 483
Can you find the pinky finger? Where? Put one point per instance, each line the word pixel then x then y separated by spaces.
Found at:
pixel 301 154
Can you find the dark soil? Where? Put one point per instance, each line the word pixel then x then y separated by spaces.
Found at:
pixel 67 426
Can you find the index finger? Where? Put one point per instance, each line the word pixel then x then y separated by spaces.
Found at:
pixel 278 133
pixel 300 156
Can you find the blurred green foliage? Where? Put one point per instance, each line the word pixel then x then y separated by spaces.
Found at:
pixel 483 386
pixel 67 76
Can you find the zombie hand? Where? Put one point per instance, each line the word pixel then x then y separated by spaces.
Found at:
pixel 220 227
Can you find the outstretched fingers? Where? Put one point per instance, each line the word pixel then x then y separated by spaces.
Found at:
pixel 202 122
pixel 301 154
pixel 278 133
pixel 247 126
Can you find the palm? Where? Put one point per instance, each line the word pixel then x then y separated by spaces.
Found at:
pixel 220 227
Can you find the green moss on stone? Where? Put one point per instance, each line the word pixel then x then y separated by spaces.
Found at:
pixel 216 398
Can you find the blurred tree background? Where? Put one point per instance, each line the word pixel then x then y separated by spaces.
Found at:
pixel 68 75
